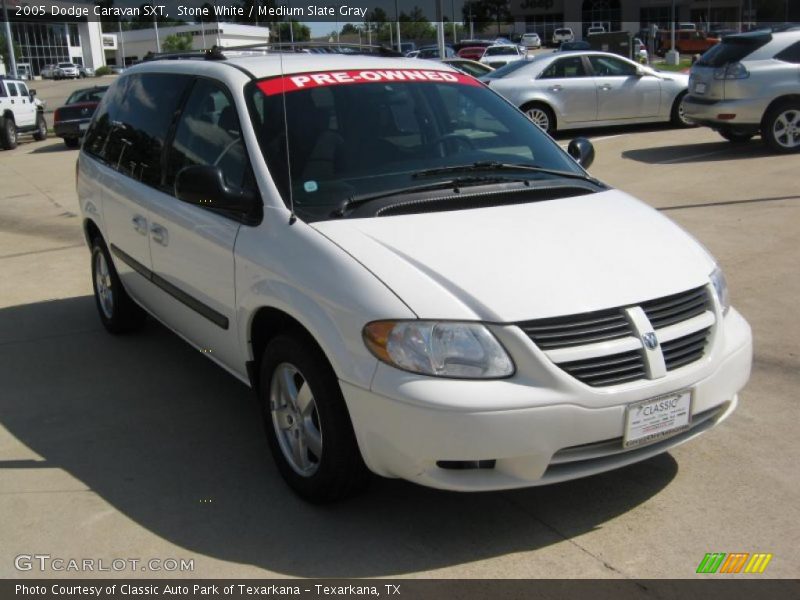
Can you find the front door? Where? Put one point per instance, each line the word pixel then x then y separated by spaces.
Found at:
pixel 570 89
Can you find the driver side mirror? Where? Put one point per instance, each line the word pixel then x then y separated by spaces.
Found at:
pixel 640 72
pixel 582 150
pixel 31 93
pixel 204 185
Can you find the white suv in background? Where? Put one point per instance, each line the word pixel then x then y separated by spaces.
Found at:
pixel 416 279
pixel 750 83
pixel 20 112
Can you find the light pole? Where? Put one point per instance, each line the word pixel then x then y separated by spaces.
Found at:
pixel 12 60
pixel 397 22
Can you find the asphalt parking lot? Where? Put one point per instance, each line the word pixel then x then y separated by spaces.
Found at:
pixel 139 447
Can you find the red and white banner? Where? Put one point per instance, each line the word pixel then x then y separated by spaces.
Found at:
pixel 305 81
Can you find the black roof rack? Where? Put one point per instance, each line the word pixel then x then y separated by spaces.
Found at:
pixel 218 52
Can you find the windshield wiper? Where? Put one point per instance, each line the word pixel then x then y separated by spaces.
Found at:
pixel 455 183
pixel 493 165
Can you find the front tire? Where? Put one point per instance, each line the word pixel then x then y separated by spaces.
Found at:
pixel 118 312
pixel 307 423
pixel 8 134
pixel 542 116
pixel 678 115
pixel 780 129
pixel 41 128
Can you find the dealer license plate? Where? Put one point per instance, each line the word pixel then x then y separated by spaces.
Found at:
pixel 699 88
pixel 652 420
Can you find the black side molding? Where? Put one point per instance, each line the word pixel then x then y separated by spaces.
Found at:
pixel 203 310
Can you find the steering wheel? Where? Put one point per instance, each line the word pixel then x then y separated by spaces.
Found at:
pixel 452 140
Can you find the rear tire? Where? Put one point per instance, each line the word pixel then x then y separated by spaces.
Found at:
pixel 118 312
pixel 306 420
pixel 41 128
pixel 542 116
pixel 736 137
pixel 780 128
pixel 8 134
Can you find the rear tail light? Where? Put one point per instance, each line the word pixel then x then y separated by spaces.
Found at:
pixel 57 115
pixel 734 70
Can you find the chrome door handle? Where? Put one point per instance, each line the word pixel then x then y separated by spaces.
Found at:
pixel 605 87
pixel 556 88
pixel 140 224
pixel 159 234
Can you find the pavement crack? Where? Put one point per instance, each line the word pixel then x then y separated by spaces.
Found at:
pixel 18 254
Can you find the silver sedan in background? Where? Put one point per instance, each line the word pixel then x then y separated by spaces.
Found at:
pixel 569 90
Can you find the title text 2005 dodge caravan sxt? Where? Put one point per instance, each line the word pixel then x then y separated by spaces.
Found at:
pixel 416 280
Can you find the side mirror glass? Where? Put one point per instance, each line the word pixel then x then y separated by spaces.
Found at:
pixel 204 185
pixel 32 93
pixel 582 151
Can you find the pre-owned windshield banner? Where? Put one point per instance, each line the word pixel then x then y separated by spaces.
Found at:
pixel 304 81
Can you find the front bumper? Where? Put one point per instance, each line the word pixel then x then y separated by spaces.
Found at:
pixel 535 434
pixel 747 113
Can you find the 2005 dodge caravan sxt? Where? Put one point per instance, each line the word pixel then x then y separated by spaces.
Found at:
pixel 416 280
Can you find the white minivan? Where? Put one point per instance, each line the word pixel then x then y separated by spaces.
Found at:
pixel 414 278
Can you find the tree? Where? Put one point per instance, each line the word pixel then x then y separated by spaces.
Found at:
pixel 485 12
pixel 177 43
pixel 415 26
pixel 4 58
pixel 300 32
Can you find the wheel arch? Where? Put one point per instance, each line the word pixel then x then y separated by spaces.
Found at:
pixel 7 114
pixel 91 231
pixel 265 324
pixel 779 100
pixel 545 104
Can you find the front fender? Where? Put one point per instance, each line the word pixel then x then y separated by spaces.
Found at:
pixel 295 269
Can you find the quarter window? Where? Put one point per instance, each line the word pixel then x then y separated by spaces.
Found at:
pixel 208 133
pixel 565 67
pixel 790 54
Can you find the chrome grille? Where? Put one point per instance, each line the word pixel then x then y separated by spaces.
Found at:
pixel 676 308
pixel 608 370
pixel 578 330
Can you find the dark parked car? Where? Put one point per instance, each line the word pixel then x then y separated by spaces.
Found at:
pixel 72 120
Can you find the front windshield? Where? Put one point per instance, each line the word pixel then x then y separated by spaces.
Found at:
pixel 351 139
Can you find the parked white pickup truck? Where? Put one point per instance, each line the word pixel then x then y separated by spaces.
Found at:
pixel 20 112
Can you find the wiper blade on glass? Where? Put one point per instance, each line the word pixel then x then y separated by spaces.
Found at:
pixel 493 165
pixel 455 184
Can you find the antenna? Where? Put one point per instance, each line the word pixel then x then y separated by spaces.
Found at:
pixel 292 217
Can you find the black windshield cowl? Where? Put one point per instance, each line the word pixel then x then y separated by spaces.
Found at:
pixel 453 184
pixel 500 166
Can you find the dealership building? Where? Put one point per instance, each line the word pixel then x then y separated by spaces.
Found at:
pixel 53 38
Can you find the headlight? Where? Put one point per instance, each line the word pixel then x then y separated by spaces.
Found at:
pixel 721 288
pixel 442 349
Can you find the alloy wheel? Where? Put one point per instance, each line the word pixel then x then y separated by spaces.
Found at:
pixel 786 129
pixel 102 285
pixel 539 117
pixel 295 419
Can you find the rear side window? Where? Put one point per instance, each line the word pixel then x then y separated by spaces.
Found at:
pixel 733 49
pixel 132 123
pixel 12 89
pixel 790 54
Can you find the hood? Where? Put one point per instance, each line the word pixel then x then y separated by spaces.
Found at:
pixel 528 261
